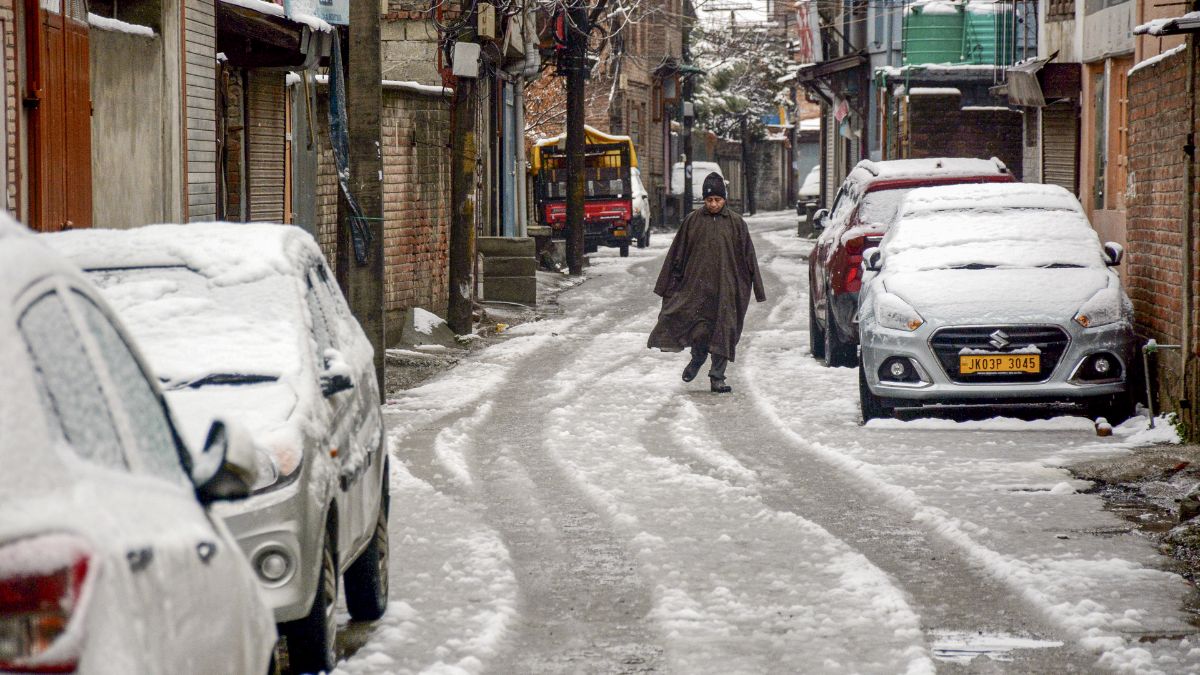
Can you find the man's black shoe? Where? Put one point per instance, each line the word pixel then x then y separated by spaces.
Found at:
pixel 690 370
pixel 719 387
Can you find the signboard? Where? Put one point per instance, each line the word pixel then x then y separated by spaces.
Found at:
pixel 808 32
pixel 336 12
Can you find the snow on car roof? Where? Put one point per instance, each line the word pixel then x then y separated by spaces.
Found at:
pixel 991 225
pixel 868 170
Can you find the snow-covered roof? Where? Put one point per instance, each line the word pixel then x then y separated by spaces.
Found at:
pixel 272 9
pixel 1170 26
pixel 813 124
pixel 868 170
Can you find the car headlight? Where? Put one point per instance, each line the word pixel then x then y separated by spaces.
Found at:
pixel 893 312
pixel 1101 309
pixel 268 471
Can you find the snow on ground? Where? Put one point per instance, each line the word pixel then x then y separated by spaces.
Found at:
pixel 688 510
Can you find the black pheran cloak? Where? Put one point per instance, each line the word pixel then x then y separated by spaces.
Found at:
pixel 705 284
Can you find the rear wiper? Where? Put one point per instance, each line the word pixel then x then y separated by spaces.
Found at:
pixel 222 379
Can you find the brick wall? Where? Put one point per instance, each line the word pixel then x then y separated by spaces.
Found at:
pixel 1157 131
pixel 416 202
pixel 938 126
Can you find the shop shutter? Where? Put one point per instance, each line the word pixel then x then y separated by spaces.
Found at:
pixel 266 146
pixel 1060 146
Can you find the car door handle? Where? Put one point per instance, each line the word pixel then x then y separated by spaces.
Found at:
pixel 139 558
pixel 206 550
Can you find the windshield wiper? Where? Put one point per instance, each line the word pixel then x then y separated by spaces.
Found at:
pixel 972 266
pixel 222 379
pixel 1059 266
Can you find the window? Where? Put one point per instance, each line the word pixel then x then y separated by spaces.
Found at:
pixel 156 450
pixel 320 327
pixel 635 124
pixel 68 383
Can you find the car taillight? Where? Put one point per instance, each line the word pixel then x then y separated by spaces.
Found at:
pixel 42 583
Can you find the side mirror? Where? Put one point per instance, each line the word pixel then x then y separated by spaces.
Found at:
pixel 225 469
pixel 1113 253
pixel 336 377
pixel 820 217
pixel 872 258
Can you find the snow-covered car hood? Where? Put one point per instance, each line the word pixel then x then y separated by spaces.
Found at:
pixel 263 409
pixel 997 295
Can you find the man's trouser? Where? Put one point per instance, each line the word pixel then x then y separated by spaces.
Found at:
pixel 700 335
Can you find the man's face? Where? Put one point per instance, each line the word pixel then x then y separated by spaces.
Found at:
pixel 714 204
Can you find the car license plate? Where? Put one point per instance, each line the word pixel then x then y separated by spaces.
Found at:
pixel 618 233
pixel 999 363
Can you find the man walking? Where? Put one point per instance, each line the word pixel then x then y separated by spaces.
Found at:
pixel 705 285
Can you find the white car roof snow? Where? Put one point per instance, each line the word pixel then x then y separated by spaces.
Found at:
pixel 867 170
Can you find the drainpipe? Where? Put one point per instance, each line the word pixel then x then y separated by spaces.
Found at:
pixel 1189 226
pixel 520 176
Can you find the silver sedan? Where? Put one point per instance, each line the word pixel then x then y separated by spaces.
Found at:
pixel 988 294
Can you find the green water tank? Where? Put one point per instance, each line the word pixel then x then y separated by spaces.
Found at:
pixel 990 37
pixel 933 33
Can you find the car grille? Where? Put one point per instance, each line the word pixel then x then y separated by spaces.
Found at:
pixel 948 342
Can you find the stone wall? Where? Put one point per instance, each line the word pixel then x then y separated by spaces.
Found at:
pixel 416 201
pixel 938 126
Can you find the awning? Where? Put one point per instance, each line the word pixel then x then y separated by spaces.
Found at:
pixel 256 34
pixel 1188 23
pixel 1023 86
pixel 823 69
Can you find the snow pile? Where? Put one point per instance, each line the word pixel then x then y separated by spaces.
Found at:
pixel 1155 60
pixel 425 321
pixel 928 168
pixel 272 9
pixel 116 26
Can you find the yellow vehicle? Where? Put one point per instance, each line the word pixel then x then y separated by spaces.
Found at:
pixel 608 211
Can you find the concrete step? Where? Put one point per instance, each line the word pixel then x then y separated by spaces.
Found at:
pixel 506 247
pixel 511 289
pixel 509 267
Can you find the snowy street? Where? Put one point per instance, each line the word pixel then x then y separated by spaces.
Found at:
pixel 562 502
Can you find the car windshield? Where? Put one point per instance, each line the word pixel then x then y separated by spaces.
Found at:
pixel 196 332
pixel 979 239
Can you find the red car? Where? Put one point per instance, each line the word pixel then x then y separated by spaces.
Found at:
pixel 862 210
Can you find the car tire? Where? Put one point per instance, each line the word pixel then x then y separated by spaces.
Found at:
pixel 624 250
pixel 366 582
pixel 816 336
pixel 871 406
pixel 838 354
pixel 312 641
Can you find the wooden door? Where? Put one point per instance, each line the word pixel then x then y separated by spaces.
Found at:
pixel 60 124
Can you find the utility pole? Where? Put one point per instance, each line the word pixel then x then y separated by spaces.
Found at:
pixel 577 29
pixel 462 196
pixel 363 279
pixel 688 113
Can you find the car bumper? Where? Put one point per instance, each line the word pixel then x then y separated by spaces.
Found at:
pixel 279 521
pixel 936 386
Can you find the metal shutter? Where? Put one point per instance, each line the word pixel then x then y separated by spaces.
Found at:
pixel 1060 146
pixel 266 148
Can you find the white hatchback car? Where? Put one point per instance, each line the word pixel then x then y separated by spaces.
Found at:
pixel 994 293
pixel 245 321
pixel 109 562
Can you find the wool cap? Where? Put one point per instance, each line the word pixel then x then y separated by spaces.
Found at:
pixel 714 185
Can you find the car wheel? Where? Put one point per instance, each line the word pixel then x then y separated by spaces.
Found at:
pixel 838 354
pixel 872 406
pixel 624 250
pixel 367 579
pixel 312 641
pixel 816 336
